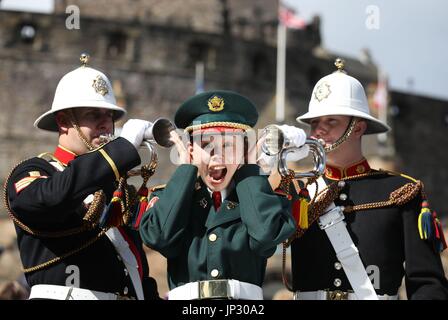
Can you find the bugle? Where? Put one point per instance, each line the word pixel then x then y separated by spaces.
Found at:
pixel 278 143
pixel 157 134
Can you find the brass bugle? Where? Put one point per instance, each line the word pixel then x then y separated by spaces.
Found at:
pixel 158 134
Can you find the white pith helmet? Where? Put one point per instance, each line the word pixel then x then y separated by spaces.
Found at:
pixel 82 87
pixel 341 94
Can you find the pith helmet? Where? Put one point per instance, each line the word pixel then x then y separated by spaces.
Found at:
pixel 341 94
pixel 82 87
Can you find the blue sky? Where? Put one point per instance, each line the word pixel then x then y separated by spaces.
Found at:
pixel 42 6
pixel 411 42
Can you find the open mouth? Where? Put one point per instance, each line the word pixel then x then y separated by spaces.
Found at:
pixel 217 174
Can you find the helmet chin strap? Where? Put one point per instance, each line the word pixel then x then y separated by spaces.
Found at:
pixel 81 135
pixel 344 137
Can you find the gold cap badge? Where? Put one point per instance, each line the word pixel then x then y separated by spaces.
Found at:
pixel 216 104
pixel 100 85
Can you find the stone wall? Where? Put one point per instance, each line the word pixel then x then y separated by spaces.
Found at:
pixel 248 18
pixel 152 68
pixel 421 140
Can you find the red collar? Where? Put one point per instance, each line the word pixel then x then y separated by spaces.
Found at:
pixel 64 155
pixel 335 173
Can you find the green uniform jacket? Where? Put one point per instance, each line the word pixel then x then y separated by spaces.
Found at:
pixel 235 241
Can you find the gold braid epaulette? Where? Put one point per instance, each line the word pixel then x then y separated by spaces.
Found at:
pixel 398 197
pixel 90 222
pixel 90 219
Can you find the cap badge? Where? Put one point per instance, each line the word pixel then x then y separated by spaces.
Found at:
pixel 216 104
pixel 322 91
pixel 100 85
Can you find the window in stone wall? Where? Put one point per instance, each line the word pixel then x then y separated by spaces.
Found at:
pixel 313 75
pixel 116 45
pixel 197 51
pixel 26 33
pixel 261 68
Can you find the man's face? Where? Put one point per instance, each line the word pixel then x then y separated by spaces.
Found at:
pixel 329 128
pixel 217 157
pixel 93 123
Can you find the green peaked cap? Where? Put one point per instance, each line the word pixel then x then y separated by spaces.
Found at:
pixel 216 108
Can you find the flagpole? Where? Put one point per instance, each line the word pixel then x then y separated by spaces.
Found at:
pixel 199 77
pixel 281 62
pixel 382 111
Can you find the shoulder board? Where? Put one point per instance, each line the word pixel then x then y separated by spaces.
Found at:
pixel 157 187
pixel 48 157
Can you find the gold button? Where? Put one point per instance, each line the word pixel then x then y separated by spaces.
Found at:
pixel 343 196
pixel 337 265
pixel 360 169
pixel 212 237
pixel 125 290
pixel 214 273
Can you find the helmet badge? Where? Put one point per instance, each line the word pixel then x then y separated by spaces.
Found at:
pixel 100 85
pixel 215 104
pixel 322 91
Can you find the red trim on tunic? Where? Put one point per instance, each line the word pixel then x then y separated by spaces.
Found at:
pixel 219 130
pixel 64 155
pixel 335 173
pixel 134 250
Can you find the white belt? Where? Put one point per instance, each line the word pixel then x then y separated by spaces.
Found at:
pixel 334 295
pixel 334 226
pixel 216 289
pixel 332 222
pixel 47 291
pixel 129 259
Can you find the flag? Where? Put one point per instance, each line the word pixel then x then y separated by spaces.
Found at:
pixel 381 102
pixel 289 18
pixel 381 95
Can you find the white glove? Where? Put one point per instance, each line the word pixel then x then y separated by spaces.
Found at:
pixel 135 130
pixel 298 154
pixel 296 135
pixel 266 162
pixel 298 138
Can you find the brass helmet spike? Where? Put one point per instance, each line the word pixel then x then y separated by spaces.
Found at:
pixel 84 58
pixel 340 64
